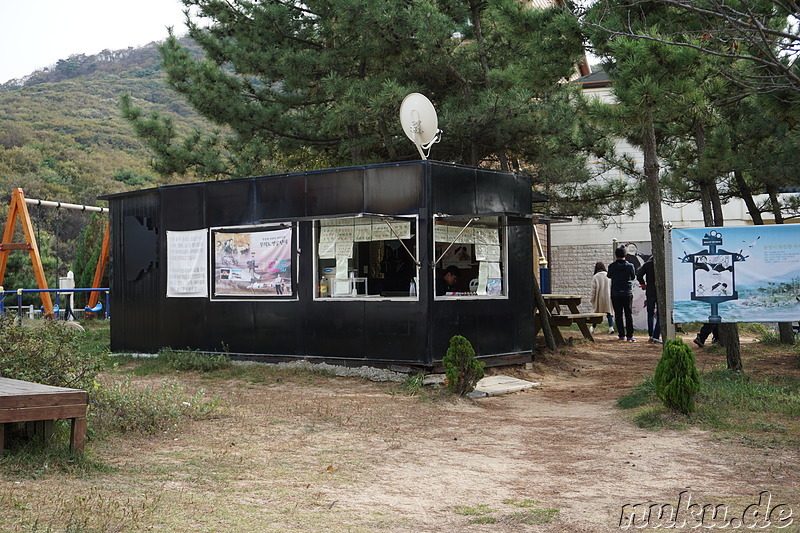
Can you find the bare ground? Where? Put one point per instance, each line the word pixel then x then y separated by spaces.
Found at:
pixel 338 454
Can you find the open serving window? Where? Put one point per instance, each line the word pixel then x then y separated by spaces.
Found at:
pixel 367 256
pixel 470 256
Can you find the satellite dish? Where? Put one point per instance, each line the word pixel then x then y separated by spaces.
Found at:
pixel 418 118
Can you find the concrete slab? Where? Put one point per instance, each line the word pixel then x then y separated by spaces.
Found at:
pixel 496 385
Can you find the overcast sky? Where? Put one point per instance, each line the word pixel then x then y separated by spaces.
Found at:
pixel 36 33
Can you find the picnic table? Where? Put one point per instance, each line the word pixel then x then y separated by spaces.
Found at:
pixel 24 401
pixel 557 317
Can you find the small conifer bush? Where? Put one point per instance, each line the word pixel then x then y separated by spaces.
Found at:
pixel 676 379
pixel 462 369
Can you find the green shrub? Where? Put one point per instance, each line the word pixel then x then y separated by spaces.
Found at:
pixel 462 369
pixel 48 353
pixel 676 379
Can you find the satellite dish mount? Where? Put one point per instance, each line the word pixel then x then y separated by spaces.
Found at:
pixel 420 124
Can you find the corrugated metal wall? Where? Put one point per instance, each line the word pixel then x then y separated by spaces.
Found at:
pixel 410 332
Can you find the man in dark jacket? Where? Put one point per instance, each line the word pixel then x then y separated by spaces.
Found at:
pixel 621 274
pixel 647 279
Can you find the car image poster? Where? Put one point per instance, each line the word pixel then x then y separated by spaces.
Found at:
pixel 248 264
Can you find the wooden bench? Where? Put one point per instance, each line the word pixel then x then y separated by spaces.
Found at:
pixel 557 319
pixel 23 401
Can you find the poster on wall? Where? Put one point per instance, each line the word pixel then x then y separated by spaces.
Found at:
pixel 187 264
pixel 253 264
pixel 736 274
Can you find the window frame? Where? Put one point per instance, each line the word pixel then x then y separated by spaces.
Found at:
pixel 317 274
pixel 471 221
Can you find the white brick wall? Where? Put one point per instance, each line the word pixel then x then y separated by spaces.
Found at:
pixel 573 267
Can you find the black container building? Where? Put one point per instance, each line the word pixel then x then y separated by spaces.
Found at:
pixel 343 265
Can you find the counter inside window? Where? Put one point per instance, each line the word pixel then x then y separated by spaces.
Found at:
pixel 369 256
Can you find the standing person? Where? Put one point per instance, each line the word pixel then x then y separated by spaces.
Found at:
pixel 647 279
pixel 621 273
pixel 601 294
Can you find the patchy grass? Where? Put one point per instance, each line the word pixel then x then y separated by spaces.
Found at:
pixel 761 408
pixel 530 513
pixel 169 361
pixel 36 458
pixel 474 510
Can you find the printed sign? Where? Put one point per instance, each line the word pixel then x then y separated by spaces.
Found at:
pixel 187 264
pixel 739 274
pixel 253 263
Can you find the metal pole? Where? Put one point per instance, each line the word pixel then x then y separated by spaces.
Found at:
pixel 77 207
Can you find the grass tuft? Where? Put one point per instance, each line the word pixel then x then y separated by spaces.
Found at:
pixel 760 412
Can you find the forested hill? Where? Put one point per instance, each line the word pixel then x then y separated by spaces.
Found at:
pixel 62 136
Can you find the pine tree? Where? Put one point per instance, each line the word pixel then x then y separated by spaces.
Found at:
pixel 676 377
pixel 462 369
pixel 300 86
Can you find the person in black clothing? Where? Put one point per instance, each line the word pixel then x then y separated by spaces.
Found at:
pixel 647 279
pixel 707 329
pixel 621 274
pixel 448 280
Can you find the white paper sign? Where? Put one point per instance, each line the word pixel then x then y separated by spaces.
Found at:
pixel 344 233
pixel 402 230
pixel 381 232
pixel 483 277
pixel 327 250
pixel 493 270
pixel 363 233
pixel 344 249
pixel 327 234
pixel 187 264
pixel 440 233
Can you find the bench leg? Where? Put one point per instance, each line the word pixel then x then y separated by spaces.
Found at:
pixel 559 338
pixel 2 437
pixel 77 437
pixel 584 327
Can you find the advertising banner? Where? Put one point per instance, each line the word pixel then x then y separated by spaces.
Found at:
pixel 255 263
pixel 187 264
pixel 736 274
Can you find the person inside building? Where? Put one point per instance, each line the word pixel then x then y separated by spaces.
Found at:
pixel 621 273
pixel 447 282
pixel 601 294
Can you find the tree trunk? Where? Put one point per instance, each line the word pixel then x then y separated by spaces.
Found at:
pixel 729 338
pixel 786 332
pixel 774 203
pixel 712 211
pixel 705 203
pixel 541 306
pixel 651 168
pixel 747 195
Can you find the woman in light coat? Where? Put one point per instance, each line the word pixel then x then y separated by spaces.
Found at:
pixel 601 294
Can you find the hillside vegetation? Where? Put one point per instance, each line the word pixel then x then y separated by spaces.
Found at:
pixel 62 138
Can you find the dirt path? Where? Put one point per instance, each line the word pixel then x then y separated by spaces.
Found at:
pixel 335 454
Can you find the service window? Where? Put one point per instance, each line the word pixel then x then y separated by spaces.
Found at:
pixel 470 255
pixel 369 256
